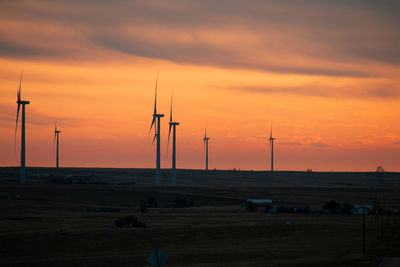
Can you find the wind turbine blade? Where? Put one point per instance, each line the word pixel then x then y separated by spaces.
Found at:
pixel 155 136
pixel 170 111
pixel 16 122
pixel 19 93
pixel 155 96
pixel 19 88
pixel 55 133
pixel 16 128
pixel 152 123
pixel 169 134
pixel 270 133
pixel 155 130
pixel 18 108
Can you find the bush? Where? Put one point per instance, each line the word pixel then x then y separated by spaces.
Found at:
pixel 129 221
pixel 268 207
pixel 143 207
pixel 285 209
pixel 380 169
pixel 252 207
pixel 152 202
pixel 183 202
pixel 346 208
pixel 331 206
pixel 303 210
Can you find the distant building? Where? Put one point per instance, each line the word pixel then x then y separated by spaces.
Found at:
pixel 272 210
pixel 260 201
pixel 358 209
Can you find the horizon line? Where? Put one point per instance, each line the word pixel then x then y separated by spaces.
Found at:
pixel 188 169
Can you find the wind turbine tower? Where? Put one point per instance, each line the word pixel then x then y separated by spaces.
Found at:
pixel 271 147
pixel 56 136
pixel 156 123
pixel 205 140
pixel 21 103
pixel 172 125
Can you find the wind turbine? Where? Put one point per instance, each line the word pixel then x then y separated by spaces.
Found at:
pixel 271 147
pixel 156 123
pixel 22 103
pixel 205 140
pixel 56 136
pixel 172 125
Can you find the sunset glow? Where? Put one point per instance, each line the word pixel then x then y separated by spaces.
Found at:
pixel 325 74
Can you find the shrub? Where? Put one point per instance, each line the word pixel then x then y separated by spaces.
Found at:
pixel 331 206
pixel 182 202
pixel 346 208
pixel 303 210
pixel 129 221
pixel 152 202
pixel 380 169
pixel 268 207
pixel 252 207
pixel 143 207
pixel 285 209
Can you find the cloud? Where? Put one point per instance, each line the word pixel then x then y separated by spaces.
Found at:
pixel 9 113
pixel 290 143
pixel 318 144
pixel 334 38
pixel 370 91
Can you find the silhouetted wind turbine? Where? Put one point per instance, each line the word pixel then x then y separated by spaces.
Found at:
pixel 23 103
pixel 271 147
pixel 205 140
pixel 172 125
pixel 56 136
pixel 156 123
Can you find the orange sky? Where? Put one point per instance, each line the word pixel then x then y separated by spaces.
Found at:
pixel 326 75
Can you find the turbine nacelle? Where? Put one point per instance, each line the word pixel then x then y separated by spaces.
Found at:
pixel 56 131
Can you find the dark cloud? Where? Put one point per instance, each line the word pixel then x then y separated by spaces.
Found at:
pixel 9 115
pixel 374 92
pixel 290 143
pixel 339 32
pixel 296 90
pixel 318 144
pixel 385 92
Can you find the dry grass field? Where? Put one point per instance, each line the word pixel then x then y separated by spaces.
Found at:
pixel 57 224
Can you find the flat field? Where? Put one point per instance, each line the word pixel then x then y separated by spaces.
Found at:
pixel 57 224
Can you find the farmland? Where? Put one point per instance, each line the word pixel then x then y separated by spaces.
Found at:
pixel 62 224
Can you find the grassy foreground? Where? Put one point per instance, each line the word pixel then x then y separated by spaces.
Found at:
pixel 55 225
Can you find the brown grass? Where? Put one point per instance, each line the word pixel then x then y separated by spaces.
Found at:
pixel 50 226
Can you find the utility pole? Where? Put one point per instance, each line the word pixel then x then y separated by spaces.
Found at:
pixel 363 227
